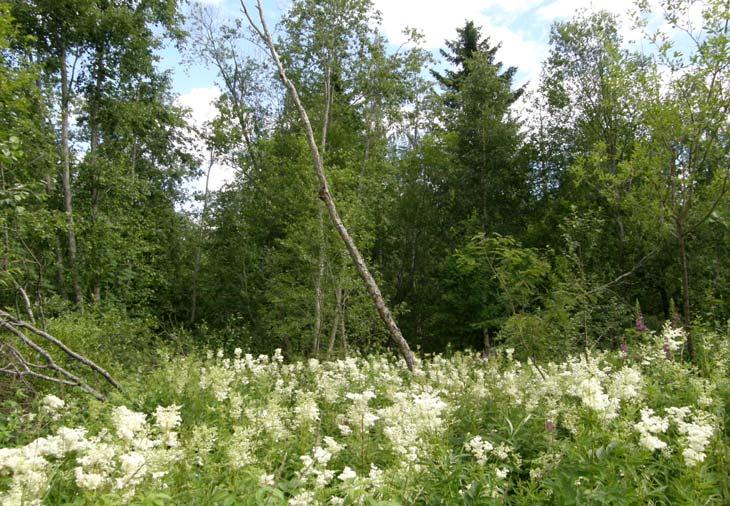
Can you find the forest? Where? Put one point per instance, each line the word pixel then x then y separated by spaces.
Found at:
pixel 427 282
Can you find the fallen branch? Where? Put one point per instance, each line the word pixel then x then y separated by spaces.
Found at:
pixel 45 335
pixel 20 367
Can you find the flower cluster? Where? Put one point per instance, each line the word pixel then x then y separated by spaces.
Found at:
pixel 696 430
pixel 118 461
pixel 355 430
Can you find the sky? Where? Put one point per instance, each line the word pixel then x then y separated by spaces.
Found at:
pixel 521 26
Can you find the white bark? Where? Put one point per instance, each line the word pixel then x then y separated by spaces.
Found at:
pixel 325 195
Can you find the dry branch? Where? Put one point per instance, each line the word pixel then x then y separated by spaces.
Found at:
pixel 20 367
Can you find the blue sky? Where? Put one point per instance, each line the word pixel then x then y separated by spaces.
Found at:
pixel 522 26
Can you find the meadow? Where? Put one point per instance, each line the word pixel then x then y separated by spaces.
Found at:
pixel 632 426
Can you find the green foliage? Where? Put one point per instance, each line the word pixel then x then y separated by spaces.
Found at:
pixel 464 430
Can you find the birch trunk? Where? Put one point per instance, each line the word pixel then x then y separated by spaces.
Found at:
pixel 66 182
pixel 198 249
pixel 325 195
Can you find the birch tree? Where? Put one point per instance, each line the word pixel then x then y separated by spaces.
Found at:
pixel 262 31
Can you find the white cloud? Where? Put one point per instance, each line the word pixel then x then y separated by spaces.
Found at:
pixel 522 26
pixel 201 102
pixel 439 23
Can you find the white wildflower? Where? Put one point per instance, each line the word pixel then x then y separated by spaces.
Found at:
pixel 306 411
pixel 479 448
pixel 168 418
pixel 128 423
pixel 347 474
pixel 52 403
pixel 89 481
pixel 202 441
pixel 305 498
pixel 648 427
pixel 267 480
pixel 241 447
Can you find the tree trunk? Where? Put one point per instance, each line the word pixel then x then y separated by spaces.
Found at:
pixel 199 246
pixel 322 238
pixel 66 182
pixel 325 195
pixel 94 141
pixel 336 321
pixel 318 283
pixel 684 263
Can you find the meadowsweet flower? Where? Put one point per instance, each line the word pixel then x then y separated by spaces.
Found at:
pixel 333 446
pixel 411 417
pixel 376 476
pixel 359 415
pixel 241 447
pixel 501 473
pixel 89 481
pixel 673 338
pixel 626 384
pixel 51 403
pixel 267 480
pixel 202 441
pixel 347 474
pixel 168 418
pixel 648 427
pixel 218 379
pixel 304 498
pixel 236 403
pixel 306 410
pixel 128 423
pixel 502 451
pixel 344 429
pixel 133 466
pixel 72 440
pixel 696 434
pixel 322 456
pixel 479 448
pixel 592 395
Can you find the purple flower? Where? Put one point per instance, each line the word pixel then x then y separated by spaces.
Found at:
pixel 549 426
pixel 624 348
pixel 667 351
pixel 640 326
pixel 675 320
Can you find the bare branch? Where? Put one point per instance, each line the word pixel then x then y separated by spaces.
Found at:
pixel 71 379
pixel 45 335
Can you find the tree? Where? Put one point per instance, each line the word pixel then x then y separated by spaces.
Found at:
pixel 684 157
pixel 324 193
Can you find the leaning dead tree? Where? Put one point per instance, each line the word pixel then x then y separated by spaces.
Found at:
pixel 262 31
pixel 20 351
